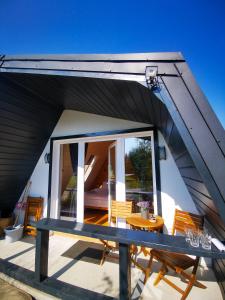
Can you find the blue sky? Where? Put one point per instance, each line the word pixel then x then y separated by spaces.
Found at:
pixel 196 28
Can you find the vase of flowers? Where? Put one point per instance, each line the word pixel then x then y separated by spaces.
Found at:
pixel 144 206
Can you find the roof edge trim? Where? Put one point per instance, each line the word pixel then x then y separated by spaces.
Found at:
pixel 154 56
pixel 85 74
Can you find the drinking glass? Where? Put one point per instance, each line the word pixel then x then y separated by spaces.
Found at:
pixel 194 239
pixel 187 233
pixel 206 241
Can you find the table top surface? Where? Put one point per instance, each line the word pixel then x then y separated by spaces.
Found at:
pixel 126 236
pixel 138 221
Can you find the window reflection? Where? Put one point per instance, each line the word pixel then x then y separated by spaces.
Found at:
pixel 138 170
pixel 69 181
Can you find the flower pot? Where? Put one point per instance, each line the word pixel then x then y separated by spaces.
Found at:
pixel 5 222
pixel 144 213
pixel 13 234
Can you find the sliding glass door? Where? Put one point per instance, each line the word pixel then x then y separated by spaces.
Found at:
pixel 117 167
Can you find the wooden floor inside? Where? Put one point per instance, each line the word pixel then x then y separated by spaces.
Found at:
pixel 91 216
pixel 96 216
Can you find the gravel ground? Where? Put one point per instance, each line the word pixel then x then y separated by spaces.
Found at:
pixel 9 292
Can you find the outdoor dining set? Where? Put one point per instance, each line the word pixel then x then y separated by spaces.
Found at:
pixel 185 223
pixel 178 252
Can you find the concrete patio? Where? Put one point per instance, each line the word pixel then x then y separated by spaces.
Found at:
pixel 76 262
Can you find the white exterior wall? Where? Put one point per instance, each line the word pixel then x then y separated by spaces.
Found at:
pixel 73 123
pixel 174 193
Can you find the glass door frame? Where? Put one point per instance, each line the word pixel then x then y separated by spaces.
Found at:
pixel 119 139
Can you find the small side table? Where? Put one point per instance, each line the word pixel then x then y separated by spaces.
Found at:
pixel 136 221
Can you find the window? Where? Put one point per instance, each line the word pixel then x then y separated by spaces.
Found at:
pixel 116 166
pixel 69 161
pixel 138 170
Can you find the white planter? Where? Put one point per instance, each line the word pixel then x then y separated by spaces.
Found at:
pixel 13 234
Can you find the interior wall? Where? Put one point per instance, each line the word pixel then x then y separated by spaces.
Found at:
pixel 72 123
pixel 99 172
pixel 174 193
pixel 67 170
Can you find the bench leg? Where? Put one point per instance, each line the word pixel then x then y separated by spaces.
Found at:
pixel 41 256
pixel 125 271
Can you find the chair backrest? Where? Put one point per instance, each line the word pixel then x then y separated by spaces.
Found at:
pixel 34 209
pixel 184 219
pixel 121 209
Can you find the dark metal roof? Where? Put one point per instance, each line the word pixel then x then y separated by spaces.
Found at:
pixel 111 66
pixel 115 85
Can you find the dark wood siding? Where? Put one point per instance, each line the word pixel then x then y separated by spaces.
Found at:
pixel 194 183
pixel 192 179
pixel 25 126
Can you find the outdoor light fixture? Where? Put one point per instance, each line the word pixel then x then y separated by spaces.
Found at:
pixel 162 153
pixel 151 77
pixel 47 158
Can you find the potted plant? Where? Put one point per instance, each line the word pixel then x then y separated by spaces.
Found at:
pixel 144 206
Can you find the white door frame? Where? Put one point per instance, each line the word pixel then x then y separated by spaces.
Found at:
pixel 113 145
pixel 120 170
pixel 80 182
pixel 55 188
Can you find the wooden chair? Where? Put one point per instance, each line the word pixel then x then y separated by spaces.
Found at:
pixel 121 210
pixel 33 212
pixel 176 261
pixel 183 220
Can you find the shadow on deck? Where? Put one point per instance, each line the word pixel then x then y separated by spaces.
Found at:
pixel 50 285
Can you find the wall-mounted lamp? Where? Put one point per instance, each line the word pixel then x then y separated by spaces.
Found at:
pixel 162 153
pixel 47 158
pixel 151 77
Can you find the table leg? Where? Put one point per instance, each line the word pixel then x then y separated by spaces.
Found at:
pixel 125 271
pixel 41 256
